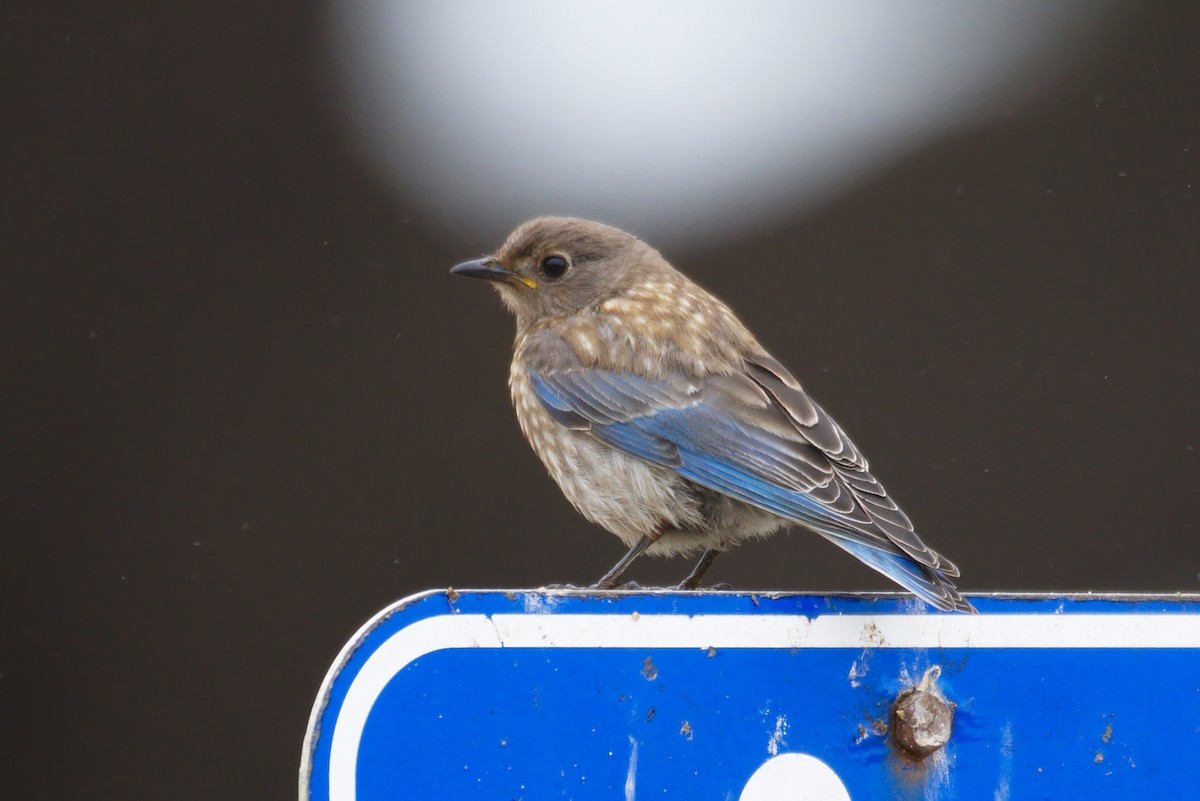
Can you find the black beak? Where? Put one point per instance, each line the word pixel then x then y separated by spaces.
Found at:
pixel 490 270
pixel 486 269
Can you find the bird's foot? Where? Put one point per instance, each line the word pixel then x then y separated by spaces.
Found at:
pixel 561 587
pixel 603 585
pixel 687 586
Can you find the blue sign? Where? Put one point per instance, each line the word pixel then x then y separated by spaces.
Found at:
pixel 740 697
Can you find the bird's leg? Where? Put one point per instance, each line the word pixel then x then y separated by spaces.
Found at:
pixel 694 578
pixel 613 576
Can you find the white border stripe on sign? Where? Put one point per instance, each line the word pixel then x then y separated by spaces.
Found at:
pixel 444 632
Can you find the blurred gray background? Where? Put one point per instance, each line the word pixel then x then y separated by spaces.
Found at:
pixel 246 407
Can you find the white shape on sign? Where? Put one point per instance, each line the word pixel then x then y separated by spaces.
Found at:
pixel 794 777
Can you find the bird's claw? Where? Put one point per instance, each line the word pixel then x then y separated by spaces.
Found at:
pixel 688 586
pixel 603 586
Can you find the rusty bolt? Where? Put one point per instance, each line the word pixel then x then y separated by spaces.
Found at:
pixel 921 722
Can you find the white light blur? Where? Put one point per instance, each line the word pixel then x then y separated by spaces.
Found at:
pixel 686 122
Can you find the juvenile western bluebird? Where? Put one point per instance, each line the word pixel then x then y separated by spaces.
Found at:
pixel 663 420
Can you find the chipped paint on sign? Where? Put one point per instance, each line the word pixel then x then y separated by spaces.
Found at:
pixel 778 736
pixel 631 772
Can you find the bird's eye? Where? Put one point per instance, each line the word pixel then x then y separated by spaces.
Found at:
pixel 554 267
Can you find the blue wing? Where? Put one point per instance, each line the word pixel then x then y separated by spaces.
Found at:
pixel 754 436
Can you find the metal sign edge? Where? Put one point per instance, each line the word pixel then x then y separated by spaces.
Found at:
pixel 313 729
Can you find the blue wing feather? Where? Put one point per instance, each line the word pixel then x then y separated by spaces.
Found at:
pixel 673 425
pixel 706 446
pixel 639 443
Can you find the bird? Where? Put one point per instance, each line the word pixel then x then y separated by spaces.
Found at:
pixel 664 421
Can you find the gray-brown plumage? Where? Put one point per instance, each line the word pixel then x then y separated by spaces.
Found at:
pixel 664 421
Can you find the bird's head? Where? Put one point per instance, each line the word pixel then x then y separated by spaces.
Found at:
pixel 558 265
